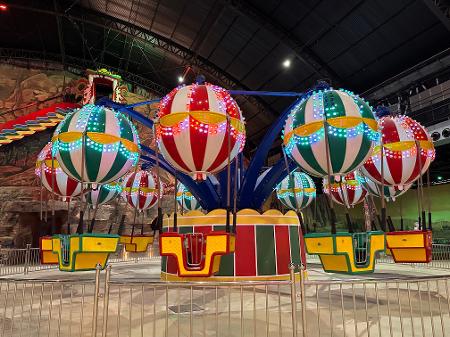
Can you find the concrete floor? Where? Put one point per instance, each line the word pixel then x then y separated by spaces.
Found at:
pixel 140 305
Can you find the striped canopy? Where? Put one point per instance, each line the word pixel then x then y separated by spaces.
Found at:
pixel 96 144
pixel 186 200
pixel 390 192
pixel 103 194
pixel 53 178
pixel 348 191
pixel 402 138
pixel 352 130
pixel 296 191
pixel 140 190
pixel 200 126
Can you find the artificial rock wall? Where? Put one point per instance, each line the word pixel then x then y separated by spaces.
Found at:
pixel 22 91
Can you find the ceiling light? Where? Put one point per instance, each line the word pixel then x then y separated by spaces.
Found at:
pixel 287 63
pixel 3 7
pixel 439 178
pixel 180 79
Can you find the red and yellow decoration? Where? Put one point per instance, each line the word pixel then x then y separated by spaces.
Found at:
pixel 265 244
pixel 33 122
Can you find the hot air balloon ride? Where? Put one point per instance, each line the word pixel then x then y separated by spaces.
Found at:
pixel 201 130
pixel 348 191
pixel 94 145
pixel 296 192
pixel 141 193
pixel 186 200
pixel 331 133
pixel 56 181
pixel 403 155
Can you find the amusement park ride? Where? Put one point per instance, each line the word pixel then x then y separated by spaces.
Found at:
pixel 95 154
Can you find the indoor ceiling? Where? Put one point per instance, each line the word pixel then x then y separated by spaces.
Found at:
pixel 354 44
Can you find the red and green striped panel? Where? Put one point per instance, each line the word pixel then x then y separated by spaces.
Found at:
pixel 261 250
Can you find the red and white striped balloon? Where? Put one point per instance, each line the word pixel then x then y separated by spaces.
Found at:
pixel 402 138
pixel 54 179
pixel 194 124
pixel 390 192
pixel 347 192
pixel 139 189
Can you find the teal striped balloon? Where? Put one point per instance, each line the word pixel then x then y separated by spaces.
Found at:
pixel 352 131
pixel 186 199
pixel 96 144
pixel 296 191
pixel 103 194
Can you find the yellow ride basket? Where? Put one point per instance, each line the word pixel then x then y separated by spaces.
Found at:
pixel 46 250
pixel 348 253
pixel 77 252
pixel 209 248
pixel 136 243
pixel 410 246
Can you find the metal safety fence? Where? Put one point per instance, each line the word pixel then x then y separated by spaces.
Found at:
pixel 296 307
pixel 25 260
pixel 440 258
pixel 21 261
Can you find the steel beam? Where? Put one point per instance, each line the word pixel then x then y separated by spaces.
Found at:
pixel 81 64
pixel 303 52
pixel 441 10
pixel 103 21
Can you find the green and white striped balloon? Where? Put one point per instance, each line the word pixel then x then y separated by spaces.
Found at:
pixel 186 199
pixel 96 144
pixel 352 131
pixel 103 194
pixel 296 191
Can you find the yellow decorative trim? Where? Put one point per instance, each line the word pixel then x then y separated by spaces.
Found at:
pixel 297 190
pixel 343 122
pixel 137 189
pixel 25 133
pixel 404 146
pixel 247 216
pixel 98 137
pixel 187 194
pixel 205 117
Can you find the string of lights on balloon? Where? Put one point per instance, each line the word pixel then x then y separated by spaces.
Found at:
pixel 318 99
pixel 88 122
pixel 299 189
pixel 225 102
pixel 406 149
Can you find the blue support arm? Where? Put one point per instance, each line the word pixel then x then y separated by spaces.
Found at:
pixel 246 192
pixel 265 93
pixel 203 191
pixel 275 175
pixel 127 109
